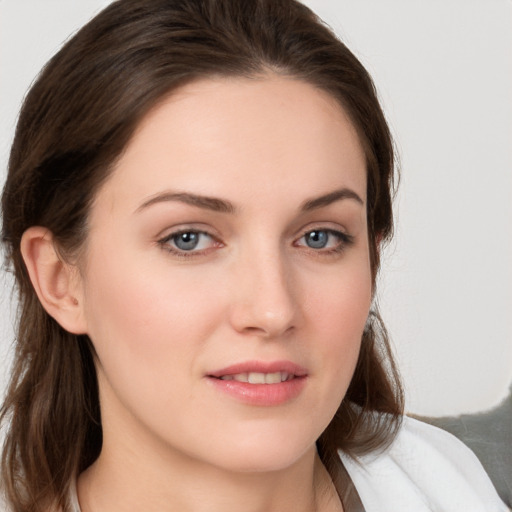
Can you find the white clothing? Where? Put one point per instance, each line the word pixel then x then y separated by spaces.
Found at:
pixel 425 470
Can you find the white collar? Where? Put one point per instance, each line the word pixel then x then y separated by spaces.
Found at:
pixel 73 497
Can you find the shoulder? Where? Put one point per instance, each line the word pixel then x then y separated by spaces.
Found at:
pixel 425 469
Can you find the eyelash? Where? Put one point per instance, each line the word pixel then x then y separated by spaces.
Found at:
pixel 181 253
pixel 345 240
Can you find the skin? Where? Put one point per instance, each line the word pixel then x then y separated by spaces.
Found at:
pixel 253 290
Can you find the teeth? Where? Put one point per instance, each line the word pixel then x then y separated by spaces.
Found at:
pixel 259 378
pixel 273 378
pixel 256 378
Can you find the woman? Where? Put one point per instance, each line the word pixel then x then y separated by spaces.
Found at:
pixel 196 198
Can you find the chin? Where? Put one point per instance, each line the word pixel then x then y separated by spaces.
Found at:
pixel 265 450
pixel 263 461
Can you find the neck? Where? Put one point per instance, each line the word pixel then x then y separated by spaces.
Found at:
pixel 132 483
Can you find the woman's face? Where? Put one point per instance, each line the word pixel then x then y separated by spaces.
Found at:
pixel 229 245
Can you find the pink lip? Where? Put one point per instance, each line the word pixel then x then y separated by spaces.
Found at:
pixel 261 367
pixel 261 394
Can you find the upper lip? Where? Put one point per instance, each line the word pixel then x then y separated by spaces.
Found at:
pixel 260 367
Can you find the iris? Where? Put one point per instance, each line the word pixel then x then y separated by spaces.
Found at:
pixel 186 241
pixel 317 239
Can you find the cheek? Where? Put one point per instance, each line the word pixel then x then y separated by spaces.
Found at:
pixel 149 332
pixel 339 312
pixel 342 304
pixel 146 324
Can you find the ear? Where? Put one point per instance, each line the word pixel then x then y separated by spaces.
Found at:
pixel 57 283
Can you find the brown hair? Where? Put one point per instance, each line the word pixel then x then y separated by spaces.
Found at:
pixel 76 119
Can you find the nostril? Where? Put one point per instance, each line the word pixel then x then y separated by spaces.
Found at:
pixel 254 330
pixel 268 332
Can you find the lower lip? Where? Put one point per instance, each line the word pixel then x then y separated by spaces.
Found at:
pixel 261 394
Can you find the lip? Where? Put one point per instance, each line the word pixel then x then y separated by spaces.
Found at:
pixel 260 367
pixel 265 395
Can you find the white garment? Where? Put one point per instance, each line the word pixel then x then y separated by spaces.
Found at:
pixel 425 470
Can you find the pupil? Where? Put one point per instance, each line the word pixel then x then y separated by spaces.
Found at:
pixel 317 239
pixel 187 241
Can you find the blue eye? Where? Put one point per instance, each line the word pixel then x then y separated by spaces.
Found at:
pixel 317 239
pixel 327 239
pixel 188 241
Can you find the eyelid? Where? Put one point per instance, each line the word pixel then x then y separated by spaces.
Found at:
pixel 185 227
pixel 332 227
pixel 345 239
pixel 165 242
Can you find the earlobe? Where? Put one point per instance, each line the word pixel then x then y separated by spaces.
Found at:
pixel 56 282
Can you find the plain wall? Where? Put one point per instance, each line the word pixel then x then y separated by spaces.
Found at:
pixel 443 70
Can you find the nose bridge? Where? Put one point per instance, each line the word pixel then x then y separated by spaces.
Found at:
pixel 264 303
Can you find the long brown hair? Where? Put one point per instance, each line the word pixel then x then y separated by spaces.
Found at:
pixel 76 120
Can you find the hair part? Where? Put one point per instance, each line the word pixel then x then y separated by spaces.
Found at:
pixel 73 126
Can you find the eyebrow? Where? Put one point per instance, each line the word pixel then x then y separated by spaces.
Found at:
pixel 331 197
pixel 223 206
pixel 208 203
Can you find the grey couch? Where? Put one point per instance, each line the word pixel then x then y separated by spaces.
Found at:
pixel 489 435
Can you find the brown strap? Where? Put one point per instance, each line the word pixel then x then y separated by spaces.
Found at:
pixel 346 490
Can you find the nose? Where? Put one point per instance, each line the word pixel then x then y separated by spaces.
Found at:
pixel 264 303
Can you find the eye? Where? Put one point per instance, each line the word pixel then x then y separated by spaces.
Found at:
pixel 326 239
pixel 317 239
pixel 188 241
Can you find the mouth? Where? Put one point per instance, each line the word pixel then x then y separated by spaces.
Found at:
pixel 260 378
pixel 260 383
pixel 260 372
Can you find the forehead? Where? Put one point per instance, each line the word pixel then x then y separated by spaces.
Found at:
pixel 241 137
